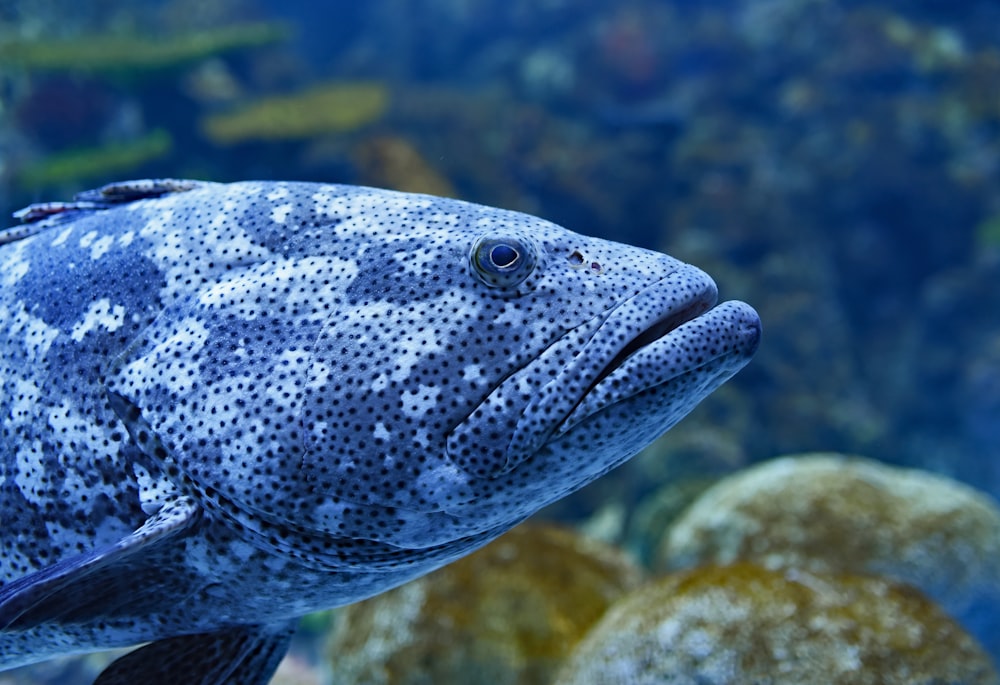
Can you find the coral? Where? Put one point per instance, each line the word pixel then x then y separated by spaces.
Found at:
pixel 94 163
pixel 127 52
pixel 746 624
pixel 508 613
pixel 328 108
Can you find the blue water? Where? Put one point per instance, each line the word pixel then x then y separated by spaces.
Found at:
pixel 836 164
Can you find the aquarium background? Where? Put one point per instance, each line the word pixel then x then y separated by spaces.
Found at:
pixel 835 163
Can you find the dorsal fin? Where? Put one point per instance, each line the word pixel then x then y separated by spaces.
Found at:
pixel 140 189
pixel 37 217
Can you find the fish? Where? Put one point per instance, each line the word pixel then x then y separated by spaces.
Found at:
pixel 227 405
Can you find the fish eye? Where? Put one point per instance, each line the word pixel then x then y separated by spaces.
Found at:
pixel 504 256
pixel 503 261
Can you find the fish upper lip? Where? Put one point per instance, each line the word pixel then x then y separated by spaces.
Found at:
pixel 662 326
pixel 645 316
pixel 737 330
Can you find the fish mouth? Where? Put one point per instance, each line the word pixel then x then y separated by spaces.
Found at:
pixel 707 349
pixel 669 329
pixel 666 336
pixel 660 328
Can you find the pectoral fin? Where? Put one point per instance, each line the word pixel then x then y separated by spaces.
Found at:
pixel 72 587
pixel 244 655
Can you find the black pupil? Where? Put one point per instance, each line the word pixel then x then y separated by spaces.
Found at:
pixel 503 255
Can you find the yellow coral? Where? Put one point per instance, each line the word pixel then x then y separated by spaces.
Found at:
pixel 134 52
pixel 328 108
pixel 95 162
pixel 394 162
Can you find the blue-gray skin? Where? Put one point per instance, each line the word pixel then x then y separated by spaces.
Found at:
pixel 226 406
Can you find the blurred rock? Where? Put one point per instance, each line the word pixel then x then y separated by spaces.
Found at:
pixel 657 512
pixel 507 614
pixel 746 624
pixel 294 670
pixel 828 513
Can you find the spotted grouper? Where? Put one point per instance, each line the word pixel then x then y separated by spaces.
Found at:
pixel 225 406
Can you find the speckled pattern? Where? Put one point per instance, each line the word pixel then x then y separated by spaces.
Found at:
pixel 230 405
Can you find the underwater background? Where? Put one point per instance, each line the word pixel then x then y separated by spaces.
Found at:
pixel 835 163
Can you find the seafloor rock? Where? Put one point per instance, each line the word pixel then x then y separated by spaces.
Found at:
pixel 509 613
pixel 827 512
pixel 747 624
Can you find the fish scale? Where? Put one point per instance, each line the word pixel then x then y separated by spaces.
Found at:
pixel 225 406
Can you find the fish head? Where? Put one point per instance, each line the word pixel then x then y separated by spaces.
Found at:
pixel 403 377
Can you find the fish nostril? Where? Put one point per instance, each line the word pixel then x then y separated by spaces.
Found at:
pixel 578 260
